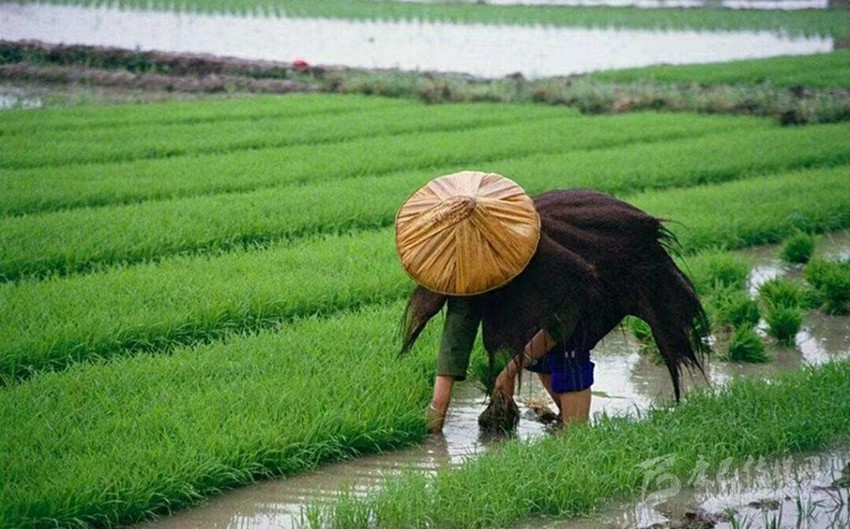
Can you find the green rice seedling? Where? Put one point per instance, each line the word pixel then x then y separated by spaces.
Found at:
pixel 125 117
pixel 79 240
pixel 718 271
pixel 735 308
pixel 831 281
pixel 537 131
pixel 641 332
pixel 784 322
pixel 49 148
pixel 111 443
pixel 186 223
pixel 155 306
pixel 781 292
pixel 753 204
pixel 798 248
pixel 574 473
pixel 745 345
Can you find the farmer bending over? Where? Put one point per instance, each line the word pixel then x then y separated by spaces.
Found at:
pixel 545 279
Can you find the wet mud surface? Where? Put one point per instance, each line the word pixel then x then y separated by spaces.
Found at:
pixel 626 383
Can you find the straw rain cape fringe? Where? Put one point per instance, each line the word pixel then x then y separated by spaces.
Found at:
pixel 602 257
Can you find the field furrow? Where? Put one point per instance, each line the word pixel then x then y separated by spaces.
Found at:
pixel 77 240
pixel 56 322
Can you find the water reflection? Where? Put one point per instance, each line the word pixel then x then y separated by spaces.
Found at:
pixel 478 49
pixel 780 493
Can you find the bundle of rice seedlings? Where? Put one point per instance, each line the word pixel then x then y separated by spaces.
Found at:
pixel 831 280
pixel 798 248
pixel 746 346
pixel 782 292
pixel 735 308
pixel 784 322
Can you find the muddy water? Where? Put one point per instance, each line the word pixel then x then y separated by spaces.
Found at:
pixel 626 382
pixel 481 50
pixel 798 492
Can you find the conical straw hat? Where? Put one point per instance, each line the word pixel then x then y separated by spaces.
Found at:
pixel 466 233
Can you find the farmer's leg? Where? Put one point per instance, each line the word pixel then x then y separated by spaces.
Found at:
pixel 440 402
pixel 575 406
pixel 572 376
pixel 459 331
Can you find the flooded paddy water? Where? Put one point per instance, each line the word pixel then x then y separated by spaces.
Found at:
pixel 481 50
pixel 626 383
pixel 656 4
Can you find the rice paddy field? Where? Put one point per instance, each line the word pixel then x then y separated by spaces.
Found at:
pixel 825 22
pixel 196 295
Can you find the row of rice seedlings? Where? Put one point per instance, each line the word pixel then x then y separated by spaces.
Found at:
pixel 155 306
pixel 824 70
pixel 574 473
pixel 562 131
pixel 115 144
pixel 765 210
pixel 112 443
pixel 41 244
pixel 88 118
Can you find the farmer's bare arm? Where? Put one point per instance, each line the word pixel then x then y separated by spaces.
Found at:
pixel 535 349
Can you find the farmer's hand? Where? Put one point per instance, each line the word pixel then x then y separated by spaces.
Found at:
pixel 506 380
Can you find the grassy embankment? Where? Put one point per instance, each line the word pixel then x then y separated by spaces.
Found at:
pixel 113 441
pixel 792 90
pixel 828 70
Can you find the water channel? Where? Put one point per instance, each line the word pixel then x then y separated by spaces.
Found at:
pixel 488 51
pixel 626 382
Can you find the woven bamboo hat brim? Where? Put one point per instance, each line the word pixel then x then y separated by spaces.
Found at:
pixel 466 233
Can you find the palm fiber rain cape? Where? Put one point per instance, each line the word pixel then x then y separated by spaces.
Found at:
pixel 597 255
